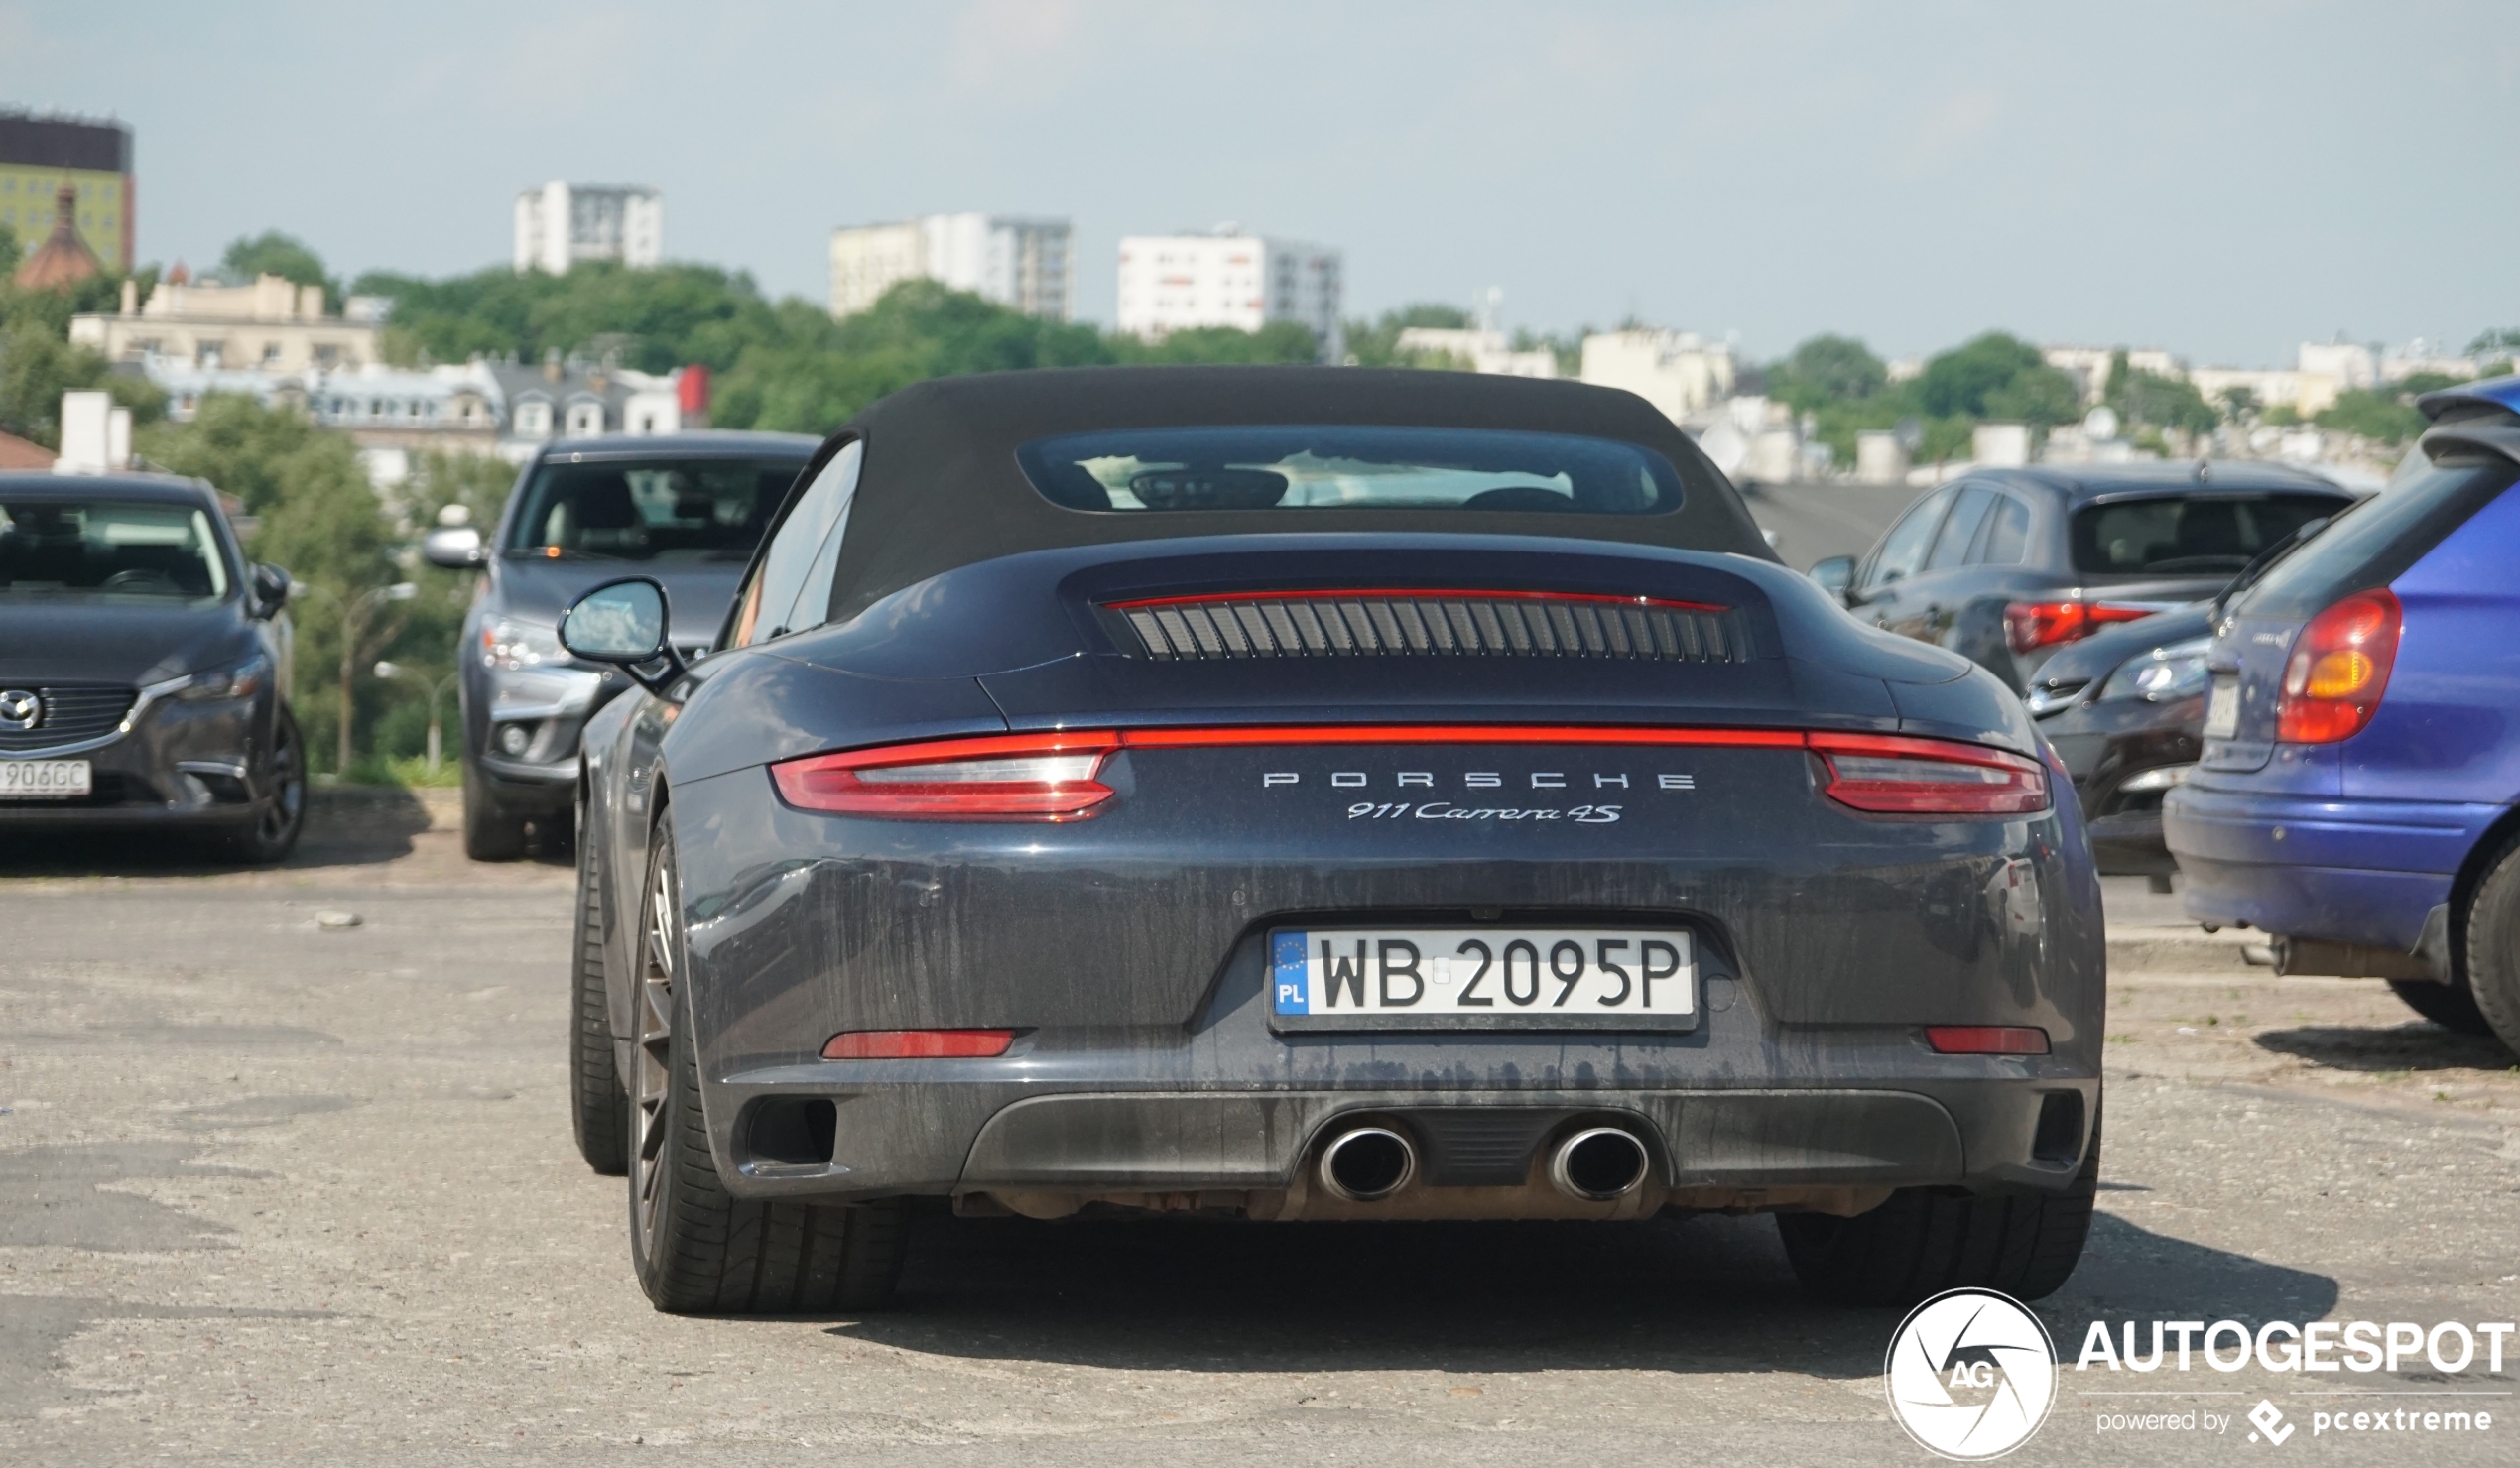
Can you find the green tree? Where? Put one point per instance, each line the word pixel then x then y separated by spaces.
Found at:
pixel 37 366
pixel 1825 370
pixel 1996 375
pixel 317 516
pixel 1376 343
pixel 2500 342
pixel 274 253
pixel 2386 413
pixel 1278 343
pixel 2149 400
pixel 11 252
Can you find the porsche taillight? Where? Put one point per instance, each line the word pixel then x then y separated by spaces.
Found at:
pixel 2338 669
pixel 1057 776
pixel 2029 625
pixel 1017 777
pixel 1886 774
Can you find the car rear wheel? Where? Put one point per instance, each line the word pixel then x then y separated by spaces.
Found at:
pixel 490 832
pixel 698 1249
pixel 1927 1240
pixel 600 1107
pixel 275 834
pixel 2450 1006
pixel 2493 946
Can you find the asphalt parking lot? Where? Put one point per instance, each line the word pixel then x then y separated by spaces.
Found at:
pixel 273 1187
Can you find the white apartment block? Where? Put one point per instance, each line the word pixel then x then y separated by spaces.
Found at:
pixel 1025 264
pixel 562 224
pixel 1176 282
pixel 1674 371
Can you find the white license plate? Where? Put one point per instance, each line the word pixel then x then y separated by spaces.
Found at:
pixel 44 780
pixel 2222 708
pixel 1483 978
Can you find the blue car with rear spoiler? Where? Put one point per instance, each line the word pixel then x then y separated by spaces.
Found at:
pixel 2359 796
pixel 1290 794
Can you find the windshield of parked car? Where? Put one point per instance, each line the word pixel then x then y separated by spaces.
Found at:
pixel 667 509
pixel 1296 467
pixel 2188 534
pixel 109 548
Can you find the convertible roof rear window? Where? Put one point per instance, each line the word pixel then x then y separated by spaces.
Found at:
pixel 1300 467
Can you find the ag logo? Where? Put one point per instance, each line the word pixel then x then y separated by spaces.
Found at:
pixel 1971 1375
pixel 20 709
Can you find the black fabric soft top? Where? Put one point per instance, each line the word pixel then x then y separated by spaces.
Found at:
pixel 941 487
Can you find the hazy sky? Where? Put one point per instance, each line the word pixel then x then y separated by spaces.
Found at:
pixel 2225 178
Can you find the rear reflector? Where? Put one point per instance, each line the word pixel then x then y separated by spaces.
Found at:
pixel 2338 669
pixel 918 1044
pixel 1890 776
pixel 1015 777
pixel 2038 624
pixel 1987 1040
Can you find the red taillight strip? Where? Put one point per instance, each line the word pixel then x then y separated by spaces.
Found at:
pixel 830 783
pixel 1454 734
pixel 1342 593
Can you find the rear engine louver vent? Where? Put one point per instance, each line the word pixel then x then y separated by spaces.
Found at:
pixel 1456 624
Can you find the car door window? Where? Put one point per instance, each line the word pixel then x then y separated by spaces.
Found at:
pixel 2007 533
pixel 783 596
pixel 1959 528
pixel 1903 548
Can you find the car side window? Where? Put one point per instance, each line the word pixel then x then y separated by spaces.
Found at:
pixel 1959 531
pixel 1903 548
pixel 2007 534
pixel 802 553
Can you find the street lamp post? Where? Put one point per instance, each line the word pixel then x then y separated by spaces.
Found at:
pixel 437 691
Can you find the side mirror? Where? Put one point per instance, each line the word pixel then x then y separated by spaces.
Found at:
pixel 624 622
pixel 455 547
pixel 270 590
pixel 1834 575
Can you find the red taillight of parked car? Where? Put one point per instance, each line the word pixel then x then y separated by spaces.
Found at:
pixel 1887 775
pixel 2042 624
pixel 1987 1040
pixel 918 1044
pixel 2338 669
pixel 1013 776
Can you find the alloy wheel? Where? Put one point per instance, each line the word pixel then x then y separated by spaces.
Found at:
pixel 289 786
pixel 652 1059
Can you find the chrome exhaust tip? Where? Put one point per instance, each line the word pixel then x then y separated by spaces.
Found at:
pixel 1365 1165
pixel 1598 1164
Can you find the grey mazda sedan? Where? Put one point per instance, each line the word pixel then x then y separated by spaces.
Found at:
pixel 144 666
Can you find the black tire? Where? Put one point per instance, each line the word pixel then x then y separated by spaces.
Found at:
pixel 275 834
pixel 1927 1240
pixel 599 1107
pixel 2450 1006
pixel 490 832
pixel 2491 946
pixel 698 1249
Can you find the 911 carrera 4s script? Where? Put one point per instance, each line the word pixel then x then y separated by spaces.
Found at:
pixel 1485 977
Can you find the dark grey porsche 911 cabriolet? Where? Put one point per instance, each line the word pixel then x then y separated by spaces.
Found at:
pixel 1299 793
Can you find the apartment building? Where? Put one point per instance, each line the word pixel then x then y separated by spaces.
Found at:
pixel 1025 264
pixel 1225 277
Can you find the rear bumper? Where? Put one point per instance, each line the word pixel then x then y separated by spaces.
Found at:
pixel 1723 1148
pixel 2348 871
